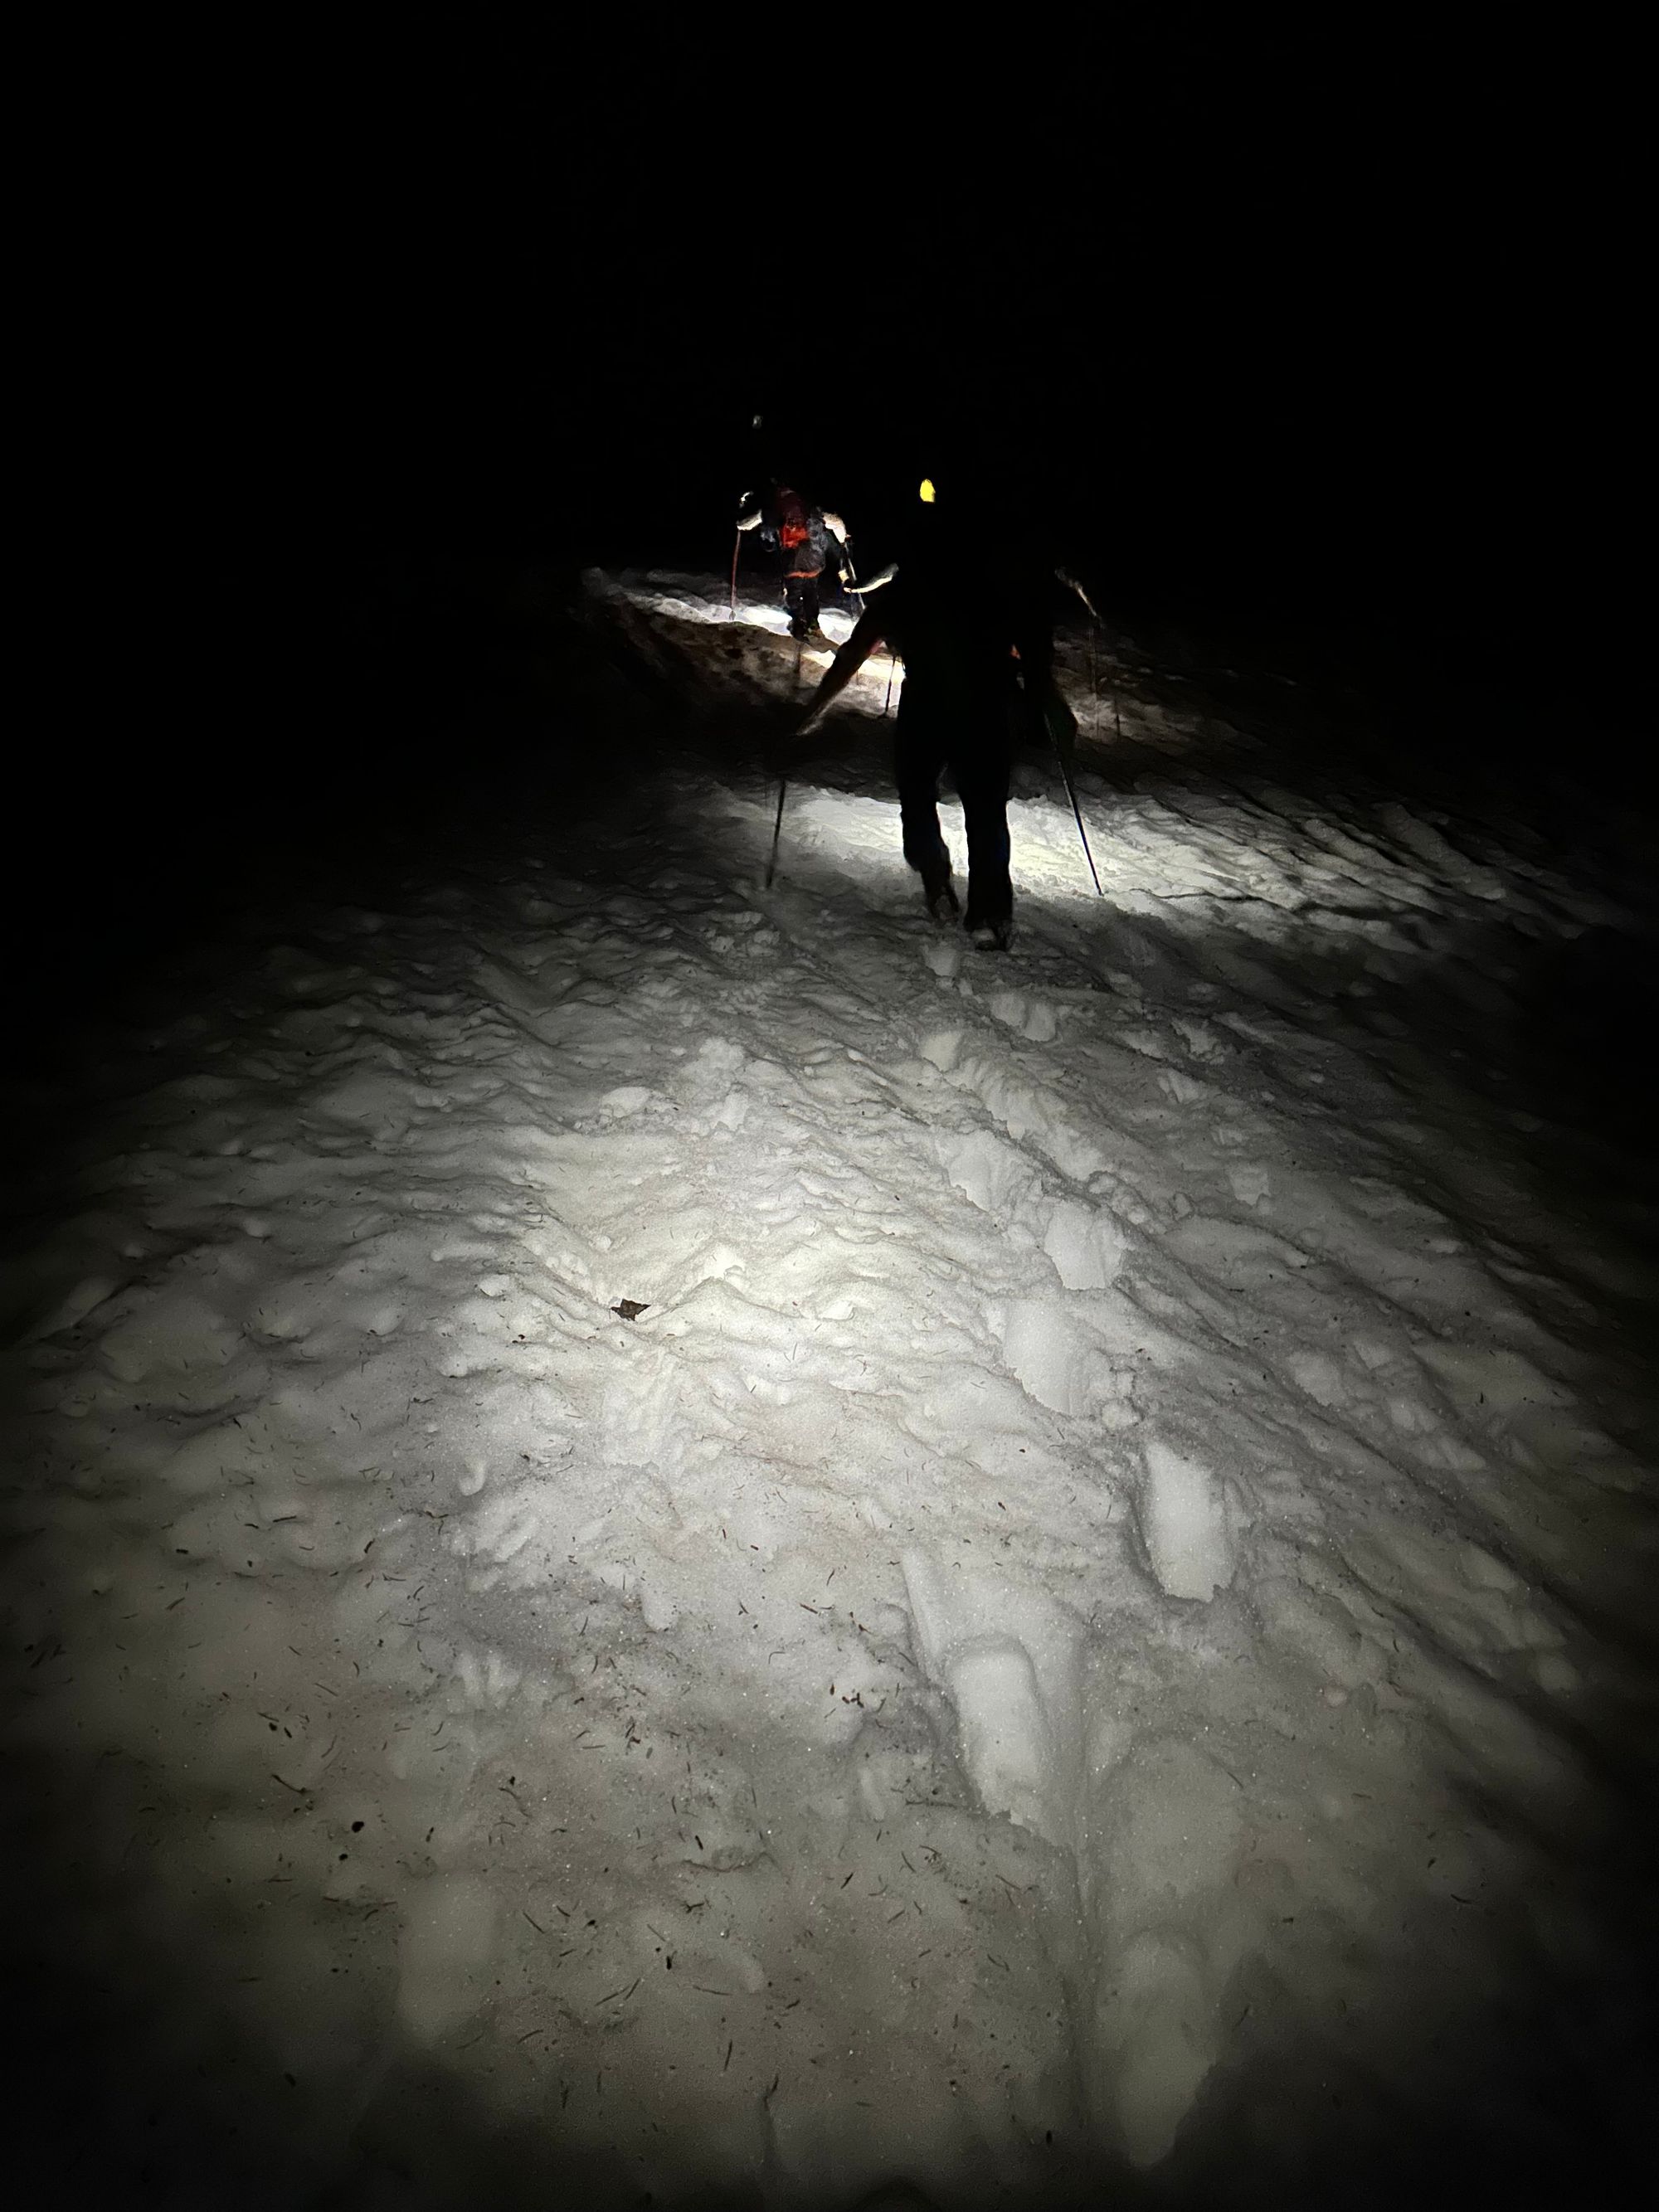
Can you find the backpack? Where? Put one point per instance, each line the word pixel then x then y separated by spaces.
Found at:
pixel 793 528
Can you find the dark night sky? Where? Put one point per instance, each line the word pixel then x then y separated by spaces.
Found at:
pixel 1332 322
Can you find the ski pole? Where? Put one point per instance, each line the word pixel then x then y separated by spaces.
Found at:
pixel 783 785
pixel 1066 577
pixel 736 542
pixel 1094 687
pixel 853 576
pixel 1070 793
pixel 777 831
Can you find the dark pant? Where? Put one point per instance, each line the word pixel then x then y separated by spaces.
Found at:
pixel 800 597
pixel 976 754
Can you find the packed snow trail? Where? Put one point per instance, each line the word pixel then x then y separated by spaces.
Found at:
pixel 688 1540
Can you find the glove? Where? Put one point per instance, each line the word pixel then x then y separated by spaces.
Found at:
pixel 835 526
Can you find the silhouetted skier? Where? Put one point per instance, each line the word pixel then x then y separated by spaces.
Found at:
pixel 807 539
pixel 977 666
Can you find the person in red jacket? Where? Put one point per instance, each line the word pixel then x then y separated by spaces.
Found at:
pixel 807 539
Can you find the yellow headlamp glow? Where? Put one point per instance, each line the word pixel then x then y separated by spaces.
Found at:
pixel 927 493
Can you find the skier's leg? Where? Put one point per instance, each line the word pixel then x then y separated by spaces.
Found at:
pixel 800 596
pixel 918 758
pixel 980 768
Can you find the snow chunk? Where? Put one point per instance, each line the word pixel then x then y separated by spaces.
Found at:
pixel 1183 1524
pixel 626 1098
pixel 88 1294
pixel 1087 1248
pixel 1151 2025
pixel 1318 1374
pixel 1032 1017
pixel 383 1104
pixel 996 1176
pixel 1006 1737
pixel 176 1335
pixel 1045 1355
pixel 1007 1655
pixel 446 1955
pixel 1251 1183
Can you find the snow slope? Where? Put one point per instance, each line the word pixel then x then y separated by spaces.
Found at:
pixel 687 1539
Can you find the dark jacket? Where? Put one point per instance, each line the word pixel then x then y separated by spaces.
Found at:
pixel 791 526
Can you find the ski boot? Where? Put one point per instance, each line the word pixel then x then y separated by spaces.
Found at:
pixel 940 893
pixel 991 936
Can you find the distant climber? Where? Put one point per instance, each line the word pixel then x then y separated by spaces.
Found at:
pixel 977 672
pixel 808 539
